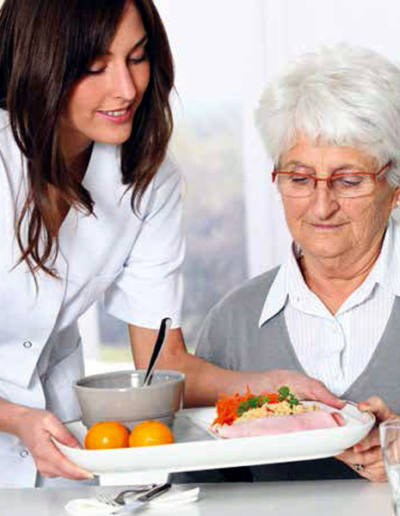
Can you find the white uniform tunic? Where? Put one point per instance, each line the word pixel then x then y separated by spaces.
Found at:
pixel 134 260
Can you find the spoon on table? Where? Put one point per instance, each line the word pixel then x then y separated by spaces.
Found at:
pixel 161 337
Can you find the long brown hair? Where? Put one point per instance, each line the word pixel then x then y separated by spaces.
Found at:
pixel 45 47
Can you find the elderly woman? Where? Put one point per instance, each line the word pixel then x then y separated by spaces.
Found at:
pixel 332 126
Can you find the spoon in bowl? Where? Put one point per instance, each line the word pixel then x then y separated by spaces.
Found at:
pixel 161 337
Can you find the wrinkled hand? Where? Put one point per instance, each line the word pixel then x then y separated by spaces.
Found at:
pixel 368 452
pixel 306 388
pixel 35 428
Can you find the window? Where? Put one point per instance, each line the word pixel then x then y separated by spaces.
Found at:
pixel 207 144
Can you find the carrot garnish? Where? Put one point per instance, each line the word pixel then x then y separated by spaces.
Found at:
pixel 227 407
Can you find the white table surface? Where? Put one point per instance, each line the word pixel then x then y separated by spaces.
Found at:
pixel 327 498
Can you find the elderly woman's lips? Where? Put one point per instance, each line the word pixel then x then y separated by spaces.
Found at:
pixel 327 226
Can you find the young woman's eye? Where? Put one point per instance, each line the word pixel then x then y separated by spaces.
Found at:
pixel 95 71
pixel 138 59
pixel 96 67
pixel 139 55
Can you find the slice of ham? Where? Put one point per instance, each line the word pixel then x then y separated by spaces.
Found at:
pixel 281 424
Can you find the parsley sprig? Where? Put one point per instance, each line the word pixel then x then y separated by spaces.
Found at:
pixel 252 403
pixel 283 394
pixel 286 395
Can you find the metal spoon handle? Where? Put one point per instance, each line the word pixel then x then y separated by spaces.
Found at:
pixel 139 488
pixel 162 335
pixel 156 491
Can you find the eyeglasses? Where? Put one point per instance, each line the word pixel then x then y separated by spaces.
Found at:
pixel 342 184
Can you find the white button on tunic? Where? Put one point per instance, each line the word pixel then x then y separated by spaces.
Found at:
pixel 131 260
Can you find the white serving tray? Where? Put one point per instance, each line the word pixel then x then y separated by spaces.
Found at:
pixel 196 448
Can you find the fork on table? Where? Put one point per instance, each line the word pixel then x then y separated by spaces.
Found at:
pixel 119 499
pixel 119 502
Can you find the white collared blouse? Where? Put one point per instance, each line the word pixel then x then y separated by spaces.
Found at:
pixel 130 260
pixel 337 348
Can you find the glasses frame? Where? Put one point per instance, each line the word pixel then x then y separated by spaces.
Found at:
pixel 375 176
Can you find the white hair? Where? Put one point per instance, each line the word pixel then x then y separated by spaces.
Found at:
pixel 341 95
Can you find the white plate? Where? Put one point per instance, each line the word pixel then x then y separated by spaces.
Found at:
pixel 196 448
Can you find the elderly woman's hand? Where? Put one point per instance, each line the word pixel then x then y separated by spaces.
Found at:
pixel 304 387
pixel 366 456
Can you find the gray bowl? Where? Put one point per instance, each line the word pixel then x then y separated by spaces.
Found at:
pixel 120 396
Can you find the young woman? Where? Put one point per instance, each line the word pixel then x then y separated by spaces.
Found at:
pixel 90 205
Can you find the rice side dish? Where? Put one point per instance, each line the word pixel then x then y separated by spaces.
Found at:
pixel 282 408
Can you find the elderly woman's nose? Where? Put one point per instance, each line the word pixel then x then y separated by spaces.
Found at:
pixel 323 201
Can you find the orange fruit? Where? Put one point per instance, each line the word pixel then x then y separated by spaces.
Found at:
pixel 150 433
pixel 105 435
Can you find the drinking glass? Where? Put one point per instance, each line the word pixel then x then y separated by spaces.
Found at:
pixel 390 441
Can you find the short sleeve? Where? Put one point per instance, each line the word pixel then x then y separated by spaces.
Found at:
pixel 150 285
